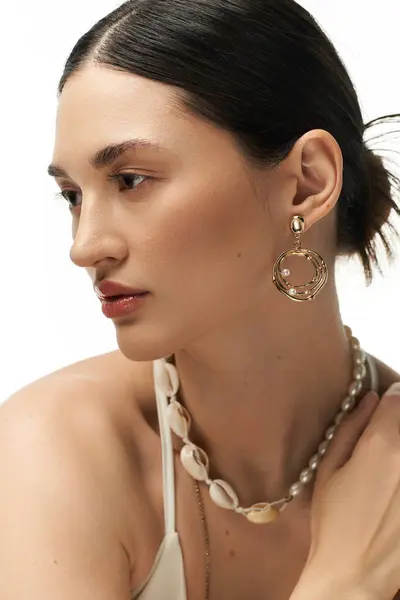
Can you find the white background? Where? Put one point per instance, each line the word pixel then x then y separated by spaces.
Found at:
pixel 50 316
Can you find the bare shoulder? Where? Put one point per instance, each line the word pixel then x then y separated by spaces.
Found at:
pixel 95 405
pixel 105 388
pixel 68 441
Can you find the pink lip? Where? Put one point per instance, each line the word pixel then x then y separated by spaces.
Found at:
pixel 123 306
pixel 108 288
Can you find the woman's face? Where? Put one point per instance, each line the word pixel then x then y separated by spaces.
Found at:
pixel 193 227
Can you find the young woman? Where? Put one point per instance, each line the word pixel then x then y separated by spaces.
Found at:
pixel 212 155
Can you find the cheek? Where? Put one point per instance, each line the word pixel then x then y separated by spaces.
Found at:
pixel 212 237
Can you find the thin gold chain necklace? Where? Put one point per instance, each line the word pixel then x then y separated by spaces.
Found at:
pixel 206 540
pixel 207 551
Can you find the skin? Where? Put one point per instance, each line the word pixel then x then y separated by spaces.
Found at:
pixel 202 235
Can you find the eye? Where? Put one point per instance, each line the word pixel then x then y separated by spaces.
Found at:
pixel 127 181
pixel 69 196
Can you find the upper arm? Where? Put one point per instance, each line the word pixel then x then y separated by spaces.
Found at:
pixel 56 540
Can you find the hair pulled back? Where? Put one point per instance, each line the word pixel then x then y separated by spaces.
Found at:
pixel 265 71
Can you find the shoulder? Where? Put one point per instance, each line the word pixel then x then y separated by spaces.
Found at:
pixel 92 392
pixel 74 431
pixel 86 406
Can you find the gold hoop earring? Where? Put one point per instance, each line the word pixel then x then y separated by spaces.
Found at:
pixel 307 291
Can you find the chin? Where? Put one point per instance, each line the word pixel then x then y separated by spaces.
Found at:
pixel 141 350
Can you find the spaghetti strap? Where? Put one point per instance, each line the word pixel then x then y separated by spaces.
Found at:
pixel 373 372
pixel 167 452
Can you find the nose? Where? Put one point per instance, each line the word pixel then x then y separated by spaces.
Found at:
pixel 95 241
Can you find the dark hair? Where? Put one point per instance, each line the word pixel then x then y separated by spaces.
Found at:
pixel 265 71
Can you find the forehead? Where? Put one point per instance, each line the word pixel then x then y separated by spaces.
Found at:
pixel 100 105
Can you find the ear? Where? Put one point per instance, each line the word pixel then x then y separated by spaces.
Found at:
pixel 317 161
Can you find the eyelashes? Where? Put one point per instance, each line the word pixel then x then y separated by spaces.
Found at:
pixel 71 195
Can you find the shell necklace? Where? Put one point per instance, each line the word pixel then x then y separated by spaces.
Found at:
pixel 195 460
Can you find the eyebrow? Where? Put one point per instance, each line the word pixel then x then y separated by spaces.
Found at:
pixel 106 156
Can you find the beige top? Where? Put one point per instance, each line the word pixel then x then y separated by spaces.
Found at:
pixel 166 580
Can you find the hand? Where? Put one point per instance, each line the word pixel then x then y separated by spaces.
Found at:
pixel 355 515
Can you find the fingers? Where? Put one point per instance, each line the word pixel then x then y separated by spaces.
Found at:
pixel 373 417
pixel 385 421
pixel 346 437
pixel 394 389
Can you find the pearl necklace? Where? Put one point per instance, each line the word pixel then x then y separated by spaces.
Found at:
pixel 195 460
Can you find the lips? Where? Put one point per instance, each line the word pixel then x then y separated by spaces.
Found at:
pixel 113 290
pixel 120 296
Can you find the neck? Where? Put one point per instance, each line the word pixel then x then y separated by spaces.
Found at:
pixel 262 392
